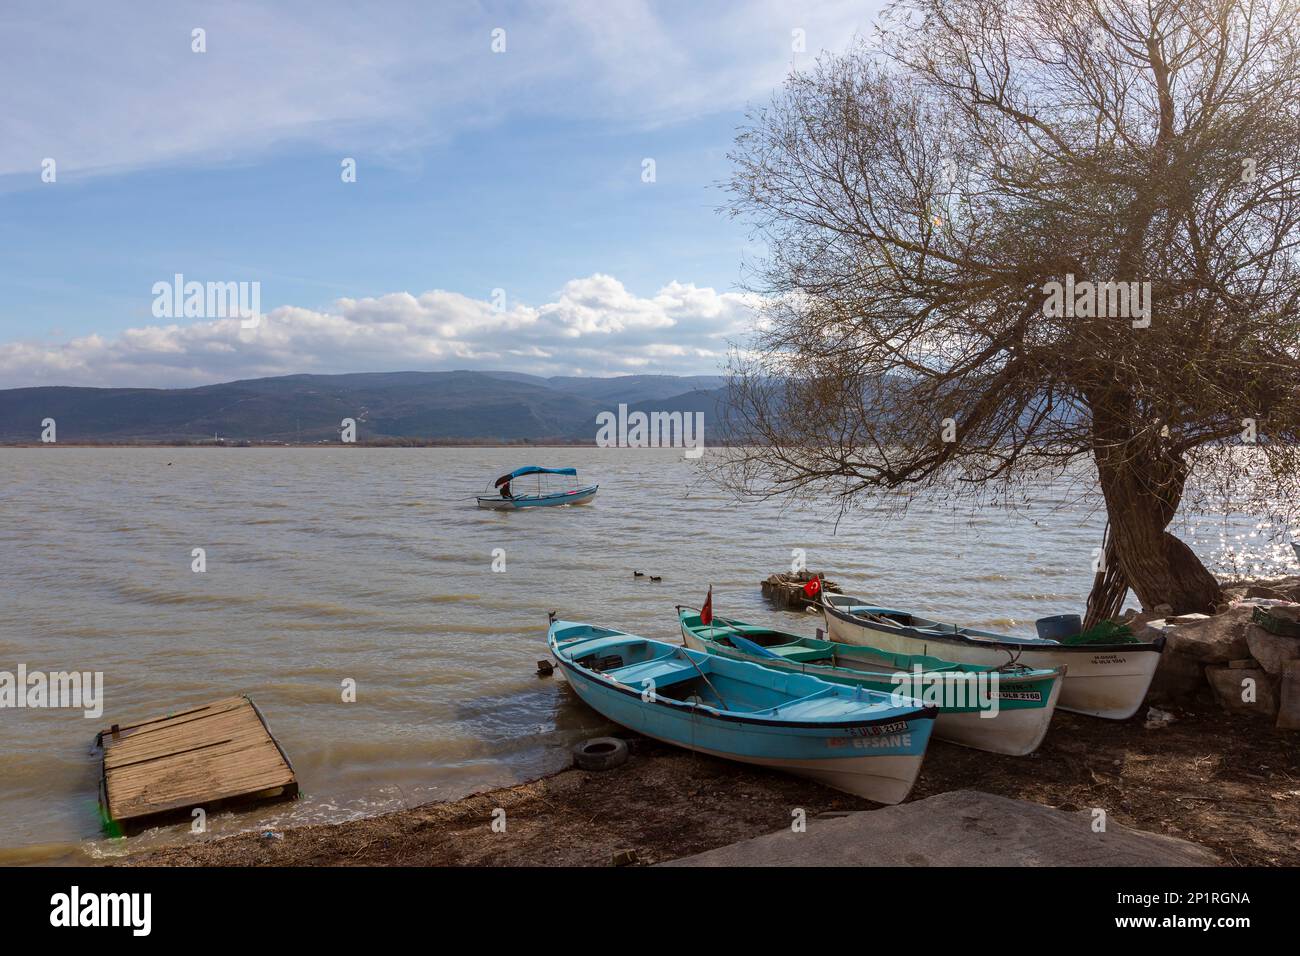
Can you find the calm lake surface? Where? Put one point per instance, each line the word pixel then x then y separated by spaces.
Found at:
pixel 375 565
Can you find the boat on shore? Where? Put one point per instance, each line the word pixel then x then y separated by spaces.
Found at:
pixel 1004 710
pixel 1103 680
pixel 546 491
pixel 849 738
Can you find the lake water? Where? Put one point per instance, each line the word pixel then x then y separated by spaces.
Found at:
pixel 375 565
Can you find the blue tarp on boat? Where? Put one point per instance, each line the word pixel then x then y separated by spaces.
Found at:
pixel 533 470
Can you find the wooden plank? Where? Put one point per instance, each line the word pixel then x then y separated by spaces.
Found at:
pixel 187 735
pixel 226 703
pixel 195 757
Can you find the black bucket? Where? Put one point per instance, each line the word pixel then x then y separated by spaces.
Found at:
pixel 1059 627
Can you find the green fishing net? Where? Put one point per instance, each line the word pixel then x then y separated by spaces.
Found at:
pixel 1107 632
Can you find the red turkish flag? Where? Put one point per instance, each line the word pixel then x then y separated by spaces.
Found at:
pixel 706 612
pixel 813 587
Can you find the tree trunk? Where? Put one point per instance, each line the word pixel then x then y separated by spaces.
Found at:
pixel 1142 487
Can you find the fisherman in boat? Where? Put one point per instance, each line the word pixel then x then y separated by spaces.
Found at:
pixel 505 491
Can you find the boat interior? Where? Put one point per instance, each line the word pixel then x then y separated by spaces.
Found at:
pixel 892 618
pixel 806 650
pixel 704 680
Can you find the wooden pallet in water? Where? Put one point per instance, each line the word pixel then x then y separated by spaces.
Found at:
pixel 203 756
pixel 786 590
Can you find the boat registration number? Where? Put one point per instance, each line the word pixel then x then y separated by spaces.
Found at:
pixel 1109 659
pixel 879 730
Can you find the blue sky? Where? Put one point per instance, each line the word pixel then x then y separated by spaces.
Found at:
pixel 476 170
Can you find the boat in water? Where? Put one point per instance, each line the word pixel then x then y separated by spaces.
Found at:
pixel 1103 680
pixel 853 739
pixel 1004 710
pixel 545 491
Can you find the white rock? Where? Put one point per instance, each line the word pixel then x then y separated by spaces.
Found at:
pixel 1157 718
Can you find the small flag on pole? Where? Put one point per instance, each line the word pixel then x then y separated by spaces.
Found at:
pixel 706 612
pixel 813 587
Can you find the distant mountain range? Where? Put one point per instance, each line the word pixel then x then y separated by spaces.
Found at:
pixel 387 406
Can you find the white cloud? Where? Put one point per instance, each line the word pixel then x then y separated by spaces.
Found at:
pixel 595 326
pixel 111 87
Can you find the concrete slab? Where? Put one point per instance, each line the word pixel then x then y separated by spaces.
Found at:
pixel 959 828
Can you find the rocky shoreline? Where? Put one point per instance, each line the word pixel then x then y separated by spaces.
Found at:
pixel 1247 668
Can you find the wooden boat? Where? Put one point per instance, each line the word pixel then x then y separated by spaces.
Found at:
pixel 849 738
pixel 1002 710
pixel 547 492
pixel 1104 680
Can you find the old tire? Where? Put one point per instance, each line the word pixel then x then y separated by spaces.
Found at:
pixel 600 753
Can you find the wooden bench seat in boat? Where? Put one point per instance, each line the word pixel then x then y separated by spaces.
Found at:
pixel 662 671
pixel 824 705
pixel 797 652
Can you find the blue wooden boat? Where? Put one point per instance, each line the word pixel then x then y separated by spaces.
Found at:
pixel 850 738
pixel 545 491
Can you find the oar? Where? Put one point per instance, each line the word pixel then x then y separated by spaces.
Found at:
pixel 877 618
pixel 687 653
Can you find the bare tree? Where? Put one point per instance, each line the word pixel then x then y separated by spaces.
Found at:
pixel 1012 235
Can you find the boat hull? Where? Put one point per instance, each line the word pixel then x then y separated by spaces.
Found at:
pixel 579 497
pixel 882 768
pixel 1014 731
pixel 882 779
pixel 1108 681
pixel 1011 732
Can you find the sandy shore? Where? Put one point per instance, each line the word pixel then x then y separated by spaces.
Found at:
pixel 1220 780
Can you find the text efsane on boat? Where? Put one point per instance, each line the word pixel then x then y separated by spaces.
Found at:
pixel 1104 680
pixel 1003 710
pixel 550 486
pixel 849 738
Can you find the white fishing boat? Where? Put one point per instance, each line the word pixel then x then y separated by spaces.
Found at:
pixel 1103 680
